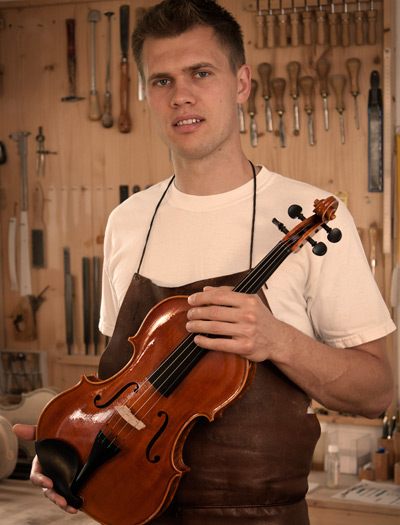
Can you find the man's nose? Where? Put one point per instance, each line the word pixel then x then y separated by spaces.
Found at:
pixel 182 94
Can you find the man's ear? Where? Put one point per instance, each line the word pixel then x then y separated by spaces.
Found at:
pixel 244 83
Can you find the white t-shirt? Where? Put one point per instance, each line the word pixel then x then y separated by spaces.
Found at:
pixel 333 298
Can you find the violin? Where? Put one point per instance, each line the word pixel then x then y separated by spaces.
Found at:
pixel 113 448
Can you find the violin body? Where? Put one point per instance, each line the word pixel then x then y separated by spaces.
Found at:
pixel 138 483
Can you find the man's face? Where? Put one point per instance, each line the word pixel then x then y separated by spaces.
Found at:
pixel 192 92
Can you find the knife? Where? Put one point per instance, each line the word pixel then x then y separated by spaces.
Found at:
pixel 375 148
pixel 68 298
pixel 124 119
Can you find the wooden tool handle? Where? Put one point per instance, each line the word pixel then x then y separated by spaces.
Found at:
pixel 307 34
pixel 307 89
pixel 107 119
pixel 264 70
pixel 323 68
pixel 124 119
pixel 270 21
pixel 260 31
pixel 278 87
pixel 320 17
pixel 295 29
pixel 371 17
pixel 333 29
pixel 338 83
pixel 251 103
pixel 345 19
pixel 283 29
pixel 94 106
pixel 353 67
pixel 359 23
pixel 293 69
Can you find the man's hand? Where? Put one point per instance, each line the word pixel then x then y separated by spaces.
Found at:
pixel 239 319
pixel 37 477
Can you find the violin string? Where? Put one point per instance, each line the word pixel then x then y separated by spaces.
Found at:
pixel 270 261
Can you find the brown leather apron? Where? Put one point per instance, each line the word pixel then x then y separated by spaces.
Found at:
pixel 251 466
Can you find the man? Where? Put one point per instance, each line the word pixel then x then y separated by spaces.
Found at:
pixel 322 336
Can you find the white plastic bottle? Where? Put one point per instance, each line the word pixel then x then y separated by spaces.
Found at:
pixel 333 467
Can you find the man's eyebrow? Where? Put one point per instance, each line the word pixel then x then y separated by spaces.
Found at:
pixel 193 67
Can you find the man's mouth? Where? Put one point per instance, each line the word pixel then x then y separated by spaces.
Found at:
pixel 188 121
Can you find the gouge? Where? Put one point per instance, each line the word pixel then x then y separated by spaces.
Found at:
pixel 353 68
pixel 338 83
pixel 251 109
pixel 293 69
pixel 278 87
pixel 307 89
pixel 94 16
pixel 323 68
pixel 264 70
pixel 124 119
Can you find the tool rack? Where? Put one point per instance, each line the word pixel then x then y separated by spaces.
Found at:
pixel 83 180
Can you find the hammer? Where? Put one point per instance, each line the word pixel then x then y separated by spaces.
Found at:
pixel 71 60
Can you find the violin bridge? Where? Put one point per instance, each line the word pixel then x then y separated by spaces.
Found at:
pixel 127 415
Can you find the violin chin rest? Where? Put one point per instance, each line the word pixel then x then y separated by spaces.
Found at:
pixel 60 462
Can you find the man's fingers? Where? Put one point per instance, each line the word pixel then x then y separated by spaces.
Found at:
pixel 27 432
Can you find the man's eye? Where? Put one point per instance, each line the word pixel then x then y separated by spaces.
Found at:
pixel 202 74
pixel 162 82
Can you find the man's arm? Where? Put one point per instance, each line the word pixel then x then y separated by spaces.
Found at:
pixel 356 380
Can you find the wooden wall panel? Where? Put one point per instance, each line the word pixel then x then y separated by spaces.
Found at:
pixel 81 184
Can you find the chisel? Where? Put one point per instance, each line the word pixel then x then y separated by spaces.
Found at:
pixel 371 18
pixel 242 126
pixel 375 135
pixel 94 16
pixel 251 110
pixel 307 25
pixel 38 227
pixel 373 236
pixel 278 87
pixel 293 69
pixel 294 17
pixel 353 67
pixel 338 83
pixel 359 23
pixel 86 303
pixel 283 26
pixel 264 70
pixel 107 119
pixel 345 20
pixel 333 26
pixel 270 21
pixel 68 300
pixel 71 62
pixel 124 119
pixel 259 27
pixel 320 17
pixel 307 88
pixel 323 68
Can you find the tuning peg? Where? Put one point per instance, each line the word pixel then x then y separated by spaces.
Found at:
pixel 319 248
pixel 334 234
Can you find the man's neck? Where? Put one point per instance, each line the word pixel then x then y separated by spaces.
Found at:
pixel 200 177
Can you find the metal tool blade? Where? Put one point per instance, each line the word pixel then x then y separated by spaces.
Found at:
pixel 253 132
pixel 326 113
pixel 296 116
pixel 25 267
pixel 375 136
pixel 310 130
pixel 68 300
pixel 356 113
pixel 268 116
pixel 12 252
pixel 38 227
pixel 86 303
pixel 341 120
pixel 242 127
pixel 124 29
pixel 282 133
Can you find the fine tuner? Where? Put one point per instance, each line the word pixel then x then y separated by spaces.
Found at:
pixel 319 248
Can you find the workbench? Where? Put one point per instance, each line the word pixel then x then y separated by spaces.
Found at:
pixel 325 510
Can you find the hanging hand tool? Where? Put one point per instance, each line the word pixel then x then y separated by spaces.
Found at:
pixel 25 270
pixel 294 17
pixel 359 23
pixel 107 119
pixel 41 153
pixel 264 70
pixel 124 119
pixel 373 236
pixel 333 26
pixel 86 303
pixel 293 69
pixel 345 20
pixel 270 20
pixel 375 135
pixel 242 126
pixel 71 61
pixel 3 153
pixel 371 18
pixel 94 16
pixel 260 20
pixel 320 17
pixel 283 27
pixel 12 250
pixel 24 316
pixel 307 88
pixel 353 67
pixel 68 300
pixel 38 227
pixel 278 87
pixel 338 83
pixel 323 68
pixel 139 13
pixel 307 24
pixel 251 110
pixel 96 302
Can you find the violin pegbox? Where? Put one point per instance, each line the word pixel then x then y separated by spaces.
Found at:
pixel 324 211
